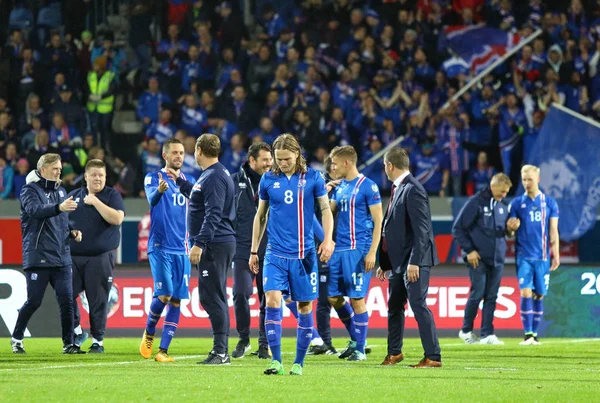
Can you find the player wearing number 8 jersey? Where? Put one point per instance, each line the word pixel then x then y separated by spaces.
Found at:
pixel 537 236
pixel 288 192
pixel 358 203
pixel 167 250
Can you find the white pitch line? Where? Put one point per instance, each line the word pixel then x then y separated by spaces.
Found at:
pixel 490 369
pixel 543 342
pixel 95 364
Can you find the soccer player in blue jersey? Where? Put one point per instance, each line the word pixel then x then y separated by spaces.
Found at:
pixel 358 203
pixel 288 194
pixel 537 236
pixel 167 250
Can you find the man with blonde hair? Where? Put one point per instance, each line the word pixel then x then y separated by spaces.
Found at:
pixel 537 237
pixel 480 229
pixel 288 193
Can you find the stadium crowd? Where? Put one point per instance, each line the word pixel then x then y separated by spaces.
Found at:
pixel 331 72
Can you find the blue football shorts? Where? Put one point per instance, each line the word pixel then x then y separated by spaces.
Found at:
pixel 171 274
pixel 298 277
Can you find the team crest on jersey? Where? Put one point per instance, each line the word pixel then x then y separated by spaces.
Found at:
pixel 374 188
pixel 148 180
pixel 301 183
pixel 523 205
pixel 276 185
pixel 355 191
pixel 543 204
pixel 533 207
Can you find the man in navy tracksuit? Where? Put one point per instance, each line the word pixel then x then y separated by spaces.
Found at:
pixel 99 215
pixel 210 220
pixel 46 252
pixel 480 229
pixel 246 183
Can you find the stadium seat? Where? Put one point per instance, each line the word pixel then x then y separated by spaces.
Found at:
pixel 49 17
pixel 20 18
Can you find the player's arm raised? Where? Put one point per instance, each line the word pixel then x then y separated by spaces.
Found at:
pixel 377 215
pixel 258 229
pixel 326 247
pixel 554 244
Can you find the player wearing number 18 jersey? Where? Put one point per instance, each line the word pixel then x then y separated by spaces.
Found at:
pixel 537 235
pixel 288 192
pixel 167 250
pixel 358 203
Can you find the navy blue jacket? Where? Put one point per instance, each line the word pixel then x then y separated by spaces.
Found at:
pixel 481 226
pixel 45 230
pixel 212 206
pixel 408 230
pixel 246 182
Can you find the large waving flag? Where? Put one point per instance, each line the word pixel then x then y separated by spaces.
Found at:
pixel 478 45
pixel 566 152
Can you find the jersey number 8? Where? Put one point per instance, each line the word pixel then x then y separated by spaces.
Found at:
pixel 288 197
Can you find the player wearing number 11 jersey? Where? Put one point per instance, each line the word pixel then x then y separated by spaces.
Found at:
pixel 288 193
pixel 537 235
pixel 167 250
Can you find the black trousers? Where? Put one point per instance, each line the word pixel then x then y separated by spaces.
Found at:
pixel 212 290
pixel 485 283
pixel 323 306
pixel 94 275
pixel 243 280
pixel 402 291
pixel 37 281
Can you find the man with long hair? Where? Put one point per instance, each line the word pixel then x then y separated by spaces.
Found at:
pixel 288 193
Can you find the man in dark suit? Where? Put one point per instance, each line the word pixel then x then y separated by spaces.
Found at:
pixel 408 252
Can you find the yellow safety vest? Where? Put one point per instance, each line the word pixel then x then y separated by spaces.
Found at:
pixel 81 156
pixel 98 88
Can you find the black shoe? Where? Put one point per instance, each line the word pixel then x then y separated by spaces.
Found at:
pixel 72 349
pixel 367 350
pixel 96 349
pixel 79 339
pixel 17 347
pixel 216 359
pixel 347 352
pixel 323 349
pixel 263 352
pixel 242 348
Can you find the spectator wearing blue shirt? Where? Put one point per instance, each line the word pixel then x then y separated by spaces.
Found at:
pixel 191 70
pixel 266 132
pixel 193 118
pixel 151 103
pixel 272 22
pixel 480 175
pixel 115 57
pixel 6 179
pixel 190 166
pixel 151 158
pixel 513 124
pixel 20 177
pixel 172 45
pixel 430 168
pixel 163 129
pixel 234 156
pixel 286 41
pixel 532 134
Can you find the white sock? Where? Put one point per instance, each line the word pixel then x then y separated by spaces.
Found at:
pixel 317 342
pixel 12 339
pixel 99 342
pixel 78 331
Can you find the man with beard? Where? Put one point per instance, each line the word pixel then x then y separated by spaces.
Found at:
pixel 168 248
pixel 100 214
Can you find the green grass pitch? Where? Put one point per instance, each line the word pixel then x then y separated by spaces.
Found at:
pixel 560 370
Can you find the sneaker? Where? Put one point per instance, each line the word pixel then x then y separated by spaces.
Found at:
pixel 357 356
pixel 528 340
pixel 96 349
pixel 80 338
pixel 72 349
pixel 263 352
pixel 296 369
pixel 368 349
pixel 146 345
pixel 274 368
pixel 491 339
pixel 17 346
pixel 317 341
pixel 536 341
pixel 347 352
pixel 216 359
pixel 162 356
pixel 241 349
pixel 468 337
pixel 322 350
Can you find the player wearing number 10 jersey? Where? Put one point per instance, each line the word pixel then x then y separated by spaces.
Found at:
pixel 288 192
pixel 536 236
pixel 167 250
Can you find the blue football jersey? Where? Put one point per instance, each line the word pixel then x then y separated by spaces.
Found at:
pixel 533 235
pixel 168 226
pixel 354 221
pixel 292 206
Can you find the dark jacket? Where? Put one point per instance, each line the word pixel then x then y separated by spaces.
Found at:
pixel 45 230
pixel 246 183
pixel 481 226
pixel 408 230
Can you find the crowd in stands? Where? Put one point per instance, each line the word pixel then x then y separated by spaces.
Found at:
pixel 332 72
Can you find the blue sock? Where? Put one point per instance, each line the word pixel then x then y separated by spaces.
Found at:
pixel 293 307
pixel 273 329
pixel 169 326
pixel 361 326
pixel 538 312
pixel 346 315
pixel 156 309
pixel 527 314
pixel 303 336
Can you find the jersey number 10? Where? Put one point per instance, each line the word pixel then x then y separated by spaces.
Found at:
pixel 178 199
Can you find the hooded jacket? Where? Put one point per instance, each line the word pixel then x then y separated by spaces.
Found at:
pixel 45 229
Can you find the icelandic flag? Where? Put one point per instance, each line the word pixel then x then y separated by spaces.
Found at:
pixel 478 45
pixel 566 151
